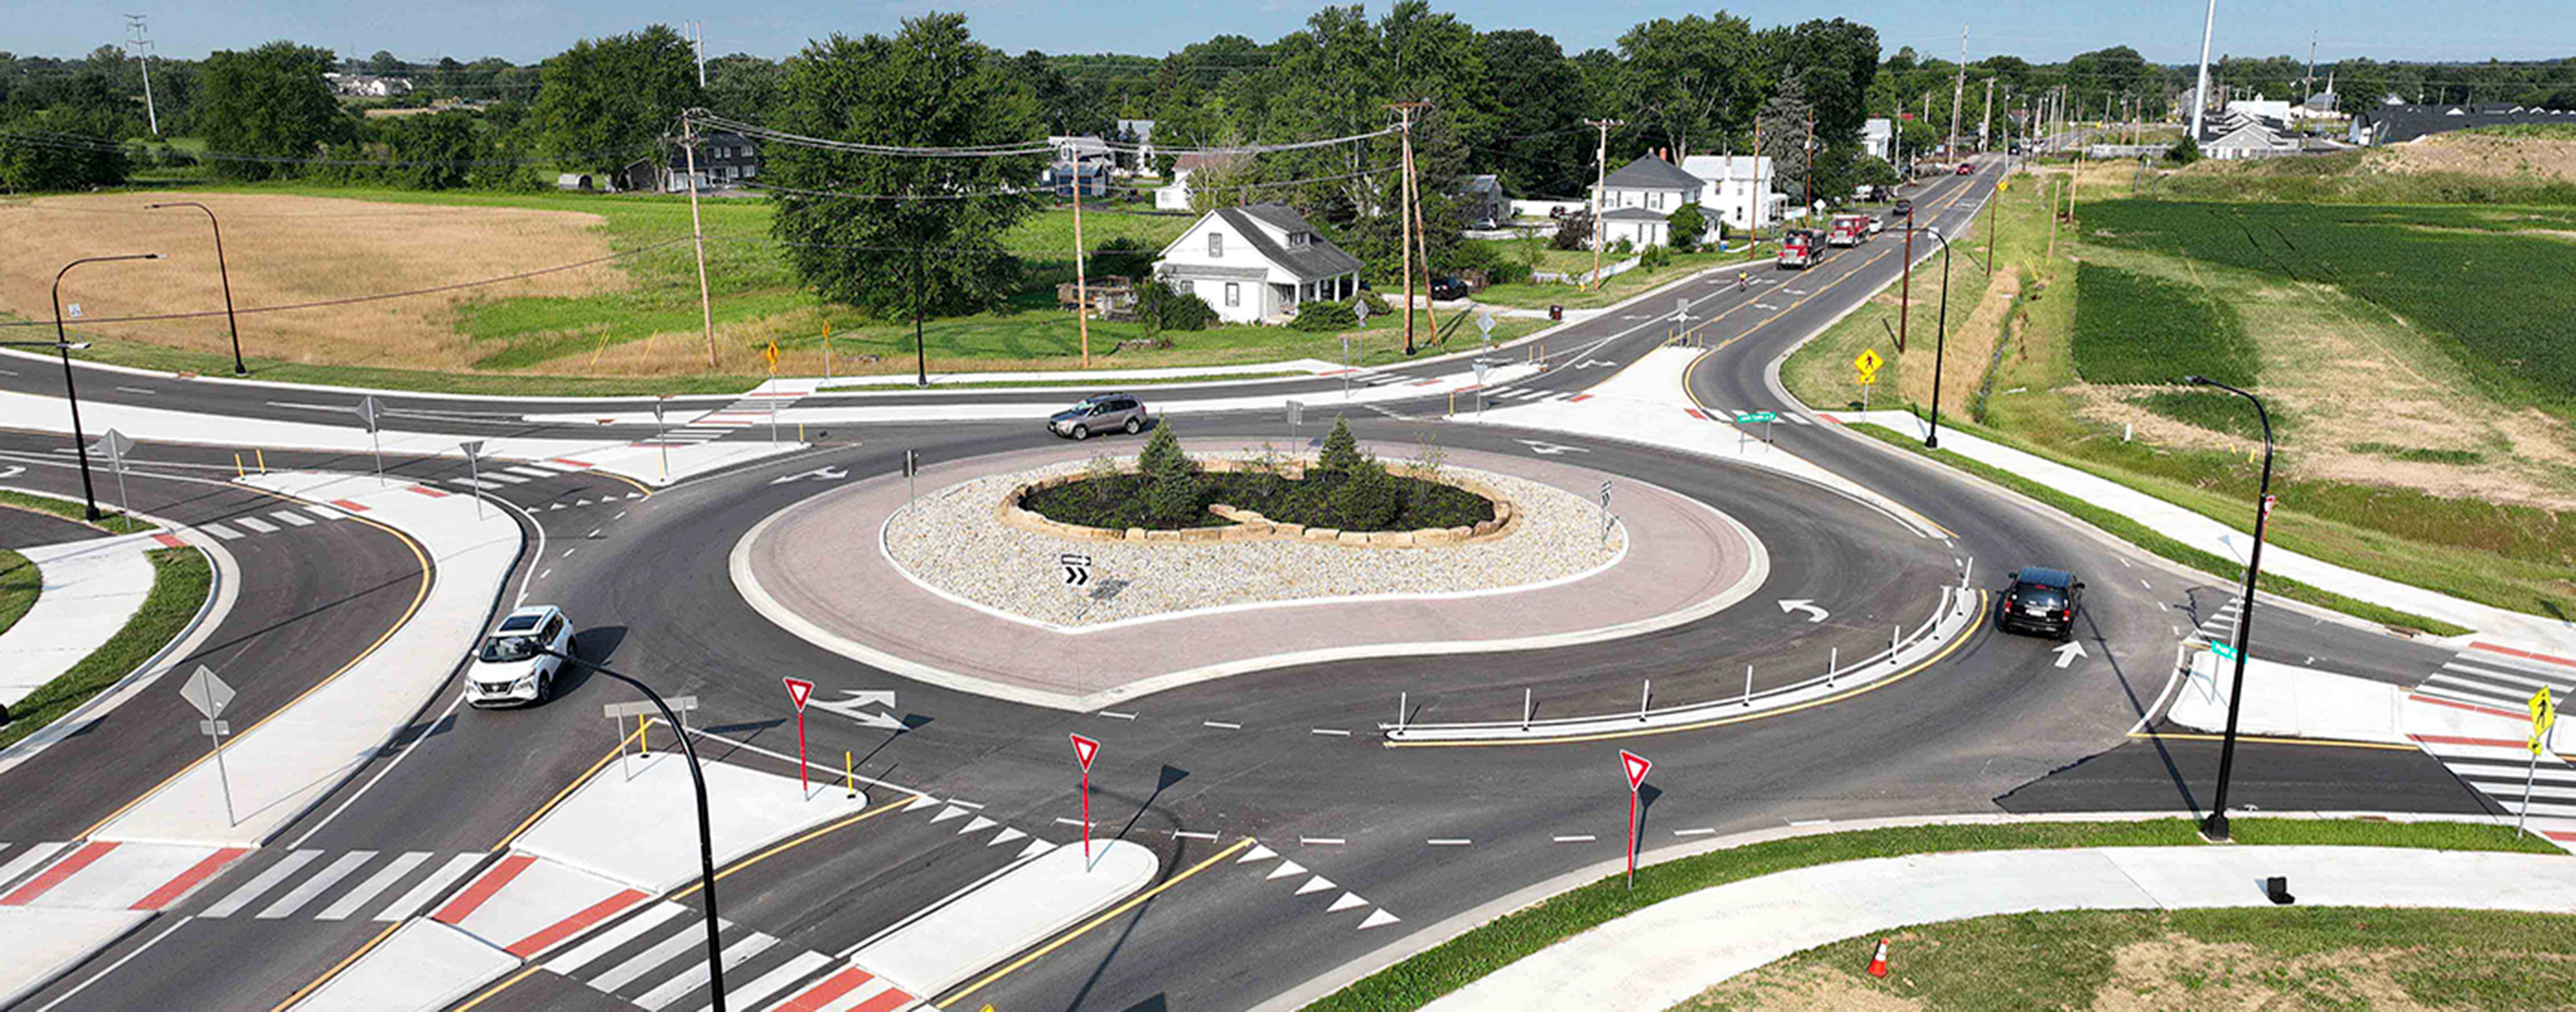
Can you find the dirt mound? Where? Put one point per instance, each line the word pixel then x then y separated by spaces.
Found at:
pixel 2522 159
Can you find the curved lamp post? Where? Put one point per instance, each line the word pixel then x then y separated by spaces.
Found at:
pixel 222 271
pixel 80 442
pixel 706 840
pixel 2215 826
pixel 1940 339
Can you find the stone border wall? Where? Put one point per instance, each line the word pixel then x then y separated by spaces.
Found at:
pixel 1251 526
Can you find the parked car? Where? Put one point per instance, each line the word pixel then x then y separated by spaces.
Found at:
pixel 1966 169
pixel 1446 289
pixel 2041 600
pixel 1097 414
pixel 513 666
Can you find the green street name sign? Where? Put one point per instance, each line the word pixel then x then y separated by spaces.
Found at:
pixel 2223 650
pixel 1757 416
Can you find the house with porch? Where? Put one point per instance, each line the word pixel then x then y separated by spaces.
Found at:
pixel 1257 264
pixel 1738 189
pixel 1637 198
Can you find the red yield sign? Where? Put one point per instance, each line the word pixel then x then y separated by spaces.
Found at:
pixel 800 691
pixel 1635 766
pixel 1084 750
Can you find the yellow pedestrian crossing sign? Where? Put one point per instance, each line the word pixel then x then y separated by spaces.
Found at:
pixel 771 354
pixel 1868 362
pixel 2544 715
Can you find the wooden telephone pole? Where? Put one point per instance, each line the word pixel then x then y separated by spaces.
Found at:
pixel 1600 182
pixel 698 229
pixel 1807 162
pixel 1405 213
pixel 1081 283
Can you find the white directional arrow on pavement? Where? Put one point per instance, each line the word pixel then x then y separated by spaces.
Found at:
pixel 824 473
pixel 1590 362
pixel 2068 652
pixel 1547 449
pixel 1814 614
pixel 853 705
pixel 13 472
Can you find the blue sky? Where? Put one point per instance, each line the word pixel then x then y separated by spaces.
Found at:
pixel 2165 31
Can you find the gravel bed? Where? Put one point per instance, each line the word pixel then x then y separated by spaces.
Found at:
pixel 952 541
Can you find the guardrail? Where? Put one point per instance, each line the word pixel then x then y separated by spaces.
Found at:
pixel 1956 613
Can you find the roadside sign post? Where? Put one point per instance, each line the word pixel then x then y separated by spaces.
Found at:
pixel 1485 327
pixel 369 412
pixel 1296 417
pixel 1481 368
pixel 661 438
pixel 210 695
pixel 1605 511
pixel 1077 569
pixel 2544 715
pixel 474 472
pixel 771 354
pixel 114 444
pixel 1346 354
pixel 1681 316
pixel 1635 766
pixel 1084 750
pixel 1867 364
pixel 799 692
pixel 1767 418
pixel 911 469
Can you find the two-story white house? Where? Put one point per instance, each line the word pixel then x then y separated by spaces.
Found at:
pixel 1637 198
pixel 1738 189
pixel 1257 264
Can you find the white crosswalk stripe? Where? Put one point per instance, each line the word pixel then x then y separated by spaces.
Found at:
pixel 250 891
pixel 2492 756
pixel 428 889
pixel 304 892
pixel 292 518
pixel 347 905
pixel 221 531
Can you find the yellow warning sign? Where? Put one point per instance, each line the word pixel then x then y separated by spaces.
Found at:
pixel 771 354
pixel 2544 715
pixel 1868 362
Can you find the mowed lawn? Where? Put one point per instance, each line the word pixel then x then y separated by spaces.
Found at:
pixel 630 324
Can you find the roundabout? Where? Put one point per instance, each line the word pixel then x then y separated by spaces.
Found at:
pixel 955 591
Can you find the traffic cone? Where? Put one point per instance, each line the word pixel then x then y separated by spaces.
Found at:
pixel 1878 960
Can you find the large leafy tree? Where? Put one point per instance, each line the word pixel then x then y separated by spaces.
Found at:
pixel 1538 143
pixel 269 102
pixel 604 102
pixel 929 85
pixel 744 86
pixel 1686 82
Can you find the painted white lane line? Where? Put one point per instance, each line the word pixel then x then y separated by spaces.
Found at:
pixel 643 962
pixel 1189 835
pixel 1449 842
pixel 531 472
pixel 329 876
pixel 292 518
pixel 325 512
pixel 1062 821
pixel 1586 838
pixel 550 571
pixel 972 806
pixel 1694 832
pixel 506 479
pixel 265 881
pixel 614 938
pixel 347 906
pixel 1809 822
pixel 257 525
pixel 1333 731
pixel 136 390
pixel 1220 725
pixel 1320 841
pixel 1117 716
pixel 429 888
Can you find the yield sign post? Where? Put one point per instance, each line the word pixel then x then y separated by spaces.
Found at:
pixel 210 695
pixel 371 413
pixel 474 471
pixel 1084 749
pixel 114 445
pixel 799 691
pixel 1635 766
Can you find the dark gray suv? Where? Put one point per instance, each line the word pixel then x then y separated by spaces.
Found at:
pixel 1099 414
pixel 2043 601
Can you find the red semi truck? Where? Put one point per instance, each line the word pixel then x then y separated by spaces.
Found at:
pixel 1849 230
pixel 1798 248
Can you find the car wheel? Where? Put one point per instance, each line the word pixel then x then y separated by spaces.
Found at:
pixel 1135 425
pixel 1081 432
pixel 546 686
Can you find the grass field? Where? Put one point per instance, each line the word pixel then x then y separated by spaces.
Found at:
pixel 2139 328
pixel 19 587
pixel 2248 958
pixel 1488 947
pixel 109 519
pixel 180 580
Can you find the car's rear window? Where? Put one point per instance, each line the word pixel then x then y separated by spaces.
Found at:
pixel 517 623
pixel 2044 597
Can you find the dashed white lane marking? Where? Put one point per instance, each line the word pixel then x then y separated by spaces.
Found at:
pixel 1117 716
pixel 1334 731
pixel 2142 581
pixel 1694 832
pixel 1585 838
pixel 550 571
pixel 256 525
pixel 293 519
pixel 1320 841
pixel 136 390
pixel 1809 822
pixel 1189 835
pixel 1062 821
pixel 1449 842
pixel 1220 725
pixel 568 552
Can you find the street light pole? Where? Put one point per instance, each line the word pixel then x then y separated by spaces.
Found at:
pixel 2215 826
pixel 1940 341
pixel 63 344
pixel 221 270
pixel 706 840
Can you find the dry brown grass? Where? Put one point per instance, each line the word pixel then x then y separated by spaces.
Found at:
pixel 2519 158
pixel 292 249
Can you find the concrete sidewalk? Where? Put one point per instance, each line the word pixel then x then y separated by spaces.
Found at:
pixel 90 589
pixel 2211 536
pixel 1662 955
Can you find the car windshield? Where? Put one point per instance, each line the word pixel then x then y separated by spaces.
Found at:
pixel 505 649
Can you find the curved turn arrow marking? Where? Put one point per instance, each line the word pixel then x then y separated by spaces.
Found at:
pixel 12 472
pixel 1814 614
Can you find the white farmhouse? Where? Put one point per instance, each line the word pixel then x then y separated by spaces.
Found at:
pixel 1636 199
pixel 1738 189
pixel 1257 264
pixel 1878 138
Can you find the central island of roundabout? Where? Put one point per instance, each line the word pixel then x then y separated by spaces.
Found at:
pixel 1071 578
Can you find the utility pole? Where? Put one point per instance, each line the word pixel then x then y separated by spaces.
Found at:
pixel 1958 91
pixel 1761 188
pixel 2200 94
pixel 1807 161
pixel 1422 247
pixel 698 42
pixel 698 230
pixel 141 42
pixel 1404 213
pixel 1601 182
pixel 1081 284
pixel 1986 122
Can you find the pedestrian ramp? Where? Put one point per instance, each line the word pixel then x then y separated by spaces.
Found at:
pixel 2473 715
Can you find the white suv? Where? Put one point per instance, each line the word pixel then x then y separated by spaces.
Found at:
pixel 508 668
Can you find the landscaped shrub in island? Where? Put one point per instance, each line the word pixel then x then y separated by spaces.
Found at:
pixel 1346 489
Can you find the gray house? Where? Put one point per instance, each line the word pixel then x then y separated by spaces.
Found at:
pixel 1638 196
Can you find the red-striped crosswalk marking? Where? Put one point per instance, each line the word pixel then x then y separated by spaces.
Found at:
pixel 55 875
pixel 474 896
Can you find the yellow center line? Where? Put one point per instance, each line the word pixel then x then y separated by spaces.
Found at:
pixel 1095 922
pixel 334 971
pixel 500 987
pixel 2262 739
pixel 808 837
pixel 418 555
pixel 567 790
pixel 1975 627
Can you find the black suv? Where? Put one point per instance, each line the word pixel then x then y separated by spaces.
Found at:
pixel 2041 601
pixel 1901 209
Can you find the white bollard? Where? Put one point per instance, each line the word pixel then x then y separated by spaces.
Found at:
pixel 1402 703
pixel 1644 694
pixel 1833 661
pixel 1525 709
pixel 1748 686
